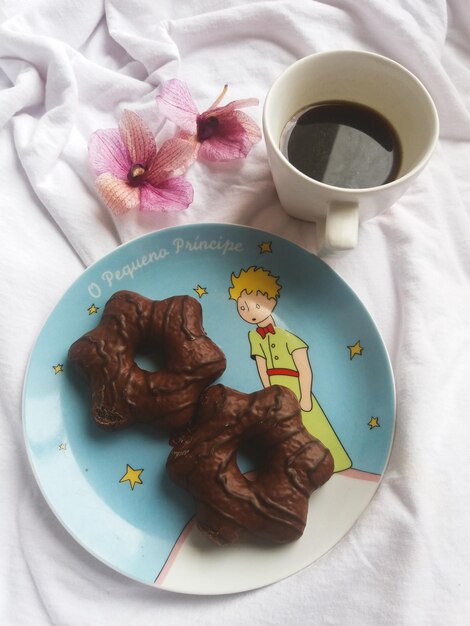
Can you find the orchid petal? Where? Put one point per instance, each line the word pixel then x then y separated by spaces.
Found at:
pixel 232 141
pixel 137 138
pixel 174 194
pixel 231 106
pixel 107 153
pixel 221 149
pixel 250 126
pixel 173 158
pixel 117 194
pixel 177 104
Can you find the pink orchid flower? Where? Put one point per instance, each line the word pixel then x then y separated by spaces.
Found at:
pixel 218 134
pixel 132 174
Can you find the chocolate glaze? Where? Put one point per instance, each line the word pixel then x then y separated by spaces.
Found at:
pixel 272 504
pixel 122 393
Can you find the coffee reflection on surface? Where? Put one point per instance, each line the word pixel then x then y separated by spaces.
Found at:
pixel 343 144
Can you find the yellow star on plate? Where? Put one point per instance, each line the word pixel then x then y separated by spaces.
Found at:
pixel 92 310
pixel 373 423
pixel 355 349
pixel 265 247
pixel 201 291
pixel 58 368
pixel 62 446
pixel 132 475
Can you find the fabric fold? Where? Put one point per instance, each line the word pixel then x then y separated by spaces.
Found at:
pixel 69 68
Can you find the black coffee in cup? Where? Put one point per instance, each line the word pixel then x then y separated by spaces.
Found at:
pixel 343 144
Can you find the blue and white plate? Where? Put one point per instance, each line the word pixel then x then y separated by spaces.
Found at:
pixel 110 489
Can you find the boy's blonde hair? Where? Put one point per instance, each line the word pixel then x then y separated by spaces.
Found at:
pixel 255 279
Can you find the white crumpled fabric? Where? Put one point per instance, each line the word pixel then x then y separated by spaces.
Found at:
pixel 69 67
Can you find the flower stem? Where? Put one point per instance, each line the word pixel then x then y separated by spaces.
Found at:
pixel 219 98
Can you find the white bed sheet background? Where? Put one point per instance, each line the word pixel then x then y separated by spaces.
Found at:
pixel 68 67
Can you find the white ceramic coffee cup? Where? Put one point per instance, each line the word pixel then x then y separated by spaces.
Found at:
pixel 353 76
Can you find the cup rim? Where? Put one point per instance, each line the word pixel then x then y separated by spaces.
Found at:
pixel 354 191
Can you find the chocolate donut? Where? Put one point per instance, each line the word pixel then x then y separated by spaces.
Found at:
pixel 123 393
pixel 273 504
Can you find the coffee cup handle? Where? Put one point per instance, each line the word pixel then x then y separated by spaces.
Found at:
pixel 339 229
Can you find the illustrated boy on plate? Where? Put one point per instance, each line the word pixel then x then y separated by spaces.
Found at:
pixel 282 357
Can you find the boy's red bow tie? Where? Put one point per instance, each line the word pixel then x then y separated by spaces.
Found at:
pixel 264 330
